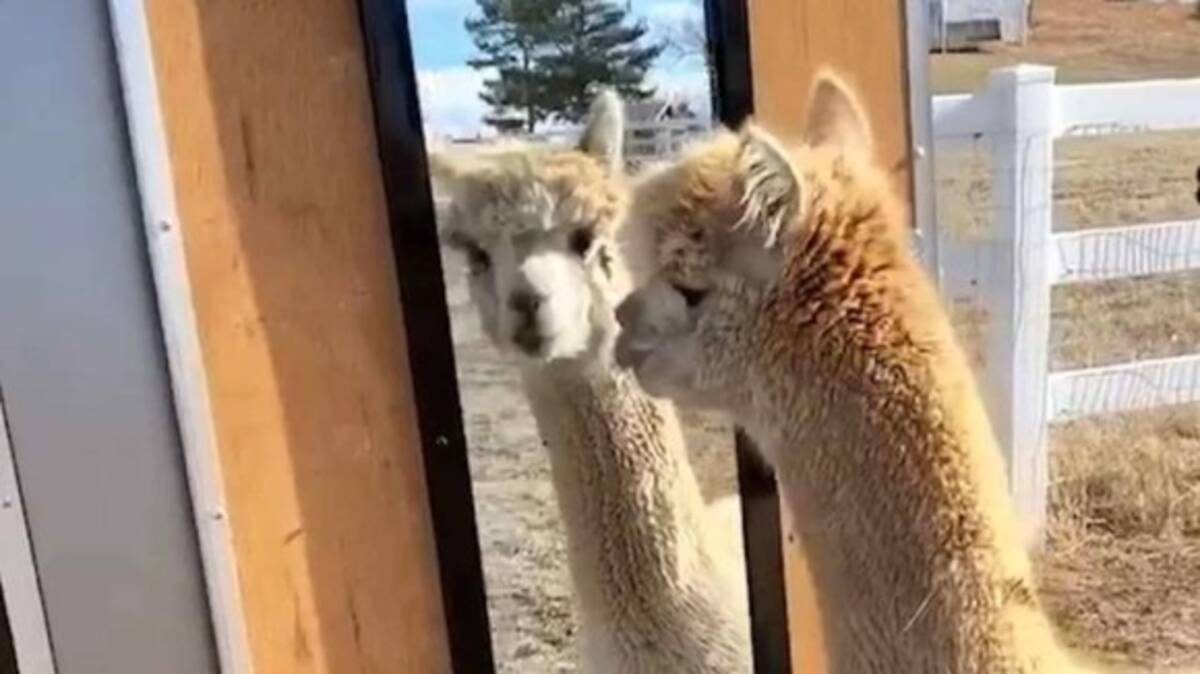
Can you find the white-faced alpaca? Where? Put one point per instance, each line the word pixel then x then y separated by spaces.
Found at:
pixel 657 591
pixel 778 285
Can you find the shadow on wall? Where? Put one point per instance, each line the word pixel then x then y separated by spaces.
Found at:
pixel 8 658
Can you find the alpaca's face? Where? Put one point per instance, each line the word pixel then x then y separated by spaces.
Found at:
pixel 708 240
pixel 535 227
pixel 700 280
pixel 537 270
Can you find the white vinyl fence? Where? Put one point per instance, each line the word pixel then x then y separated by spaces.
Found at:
pixel 1010 268
pixel 660 139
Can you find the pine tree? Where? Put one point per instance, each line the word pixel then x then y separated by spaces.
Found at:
pixel 549 54
pixel 510 35
pixel 596 45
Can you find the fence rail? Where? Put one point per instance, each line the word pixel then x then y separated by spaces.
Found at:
pixel 1078 109
pixel 1010 267
pixel 1119 388
pixel 660 138
pixel 1127 107
pixel 1123 252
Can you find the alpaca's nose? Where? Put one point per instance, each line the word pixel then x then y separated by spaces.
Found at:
pixel 627 312
pixel 628 354
pixel 527 333
pixel 525 303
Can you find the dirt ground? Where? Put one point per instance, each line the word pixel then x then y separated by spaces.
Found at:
pixel 1121 573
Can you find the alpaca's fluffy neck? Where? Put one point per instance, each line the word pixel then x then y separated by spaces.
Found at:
pixel 897 485
pixel 913 548
pixel 639 549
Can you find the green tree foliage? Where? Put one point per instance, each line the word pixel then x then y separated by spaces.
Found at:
pixel 549 54
pixel 510 36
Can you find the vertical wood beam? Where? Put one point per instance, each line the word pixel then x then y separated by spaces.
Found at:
pixel 416 249
pixel 863 39
pixel 732 83
pixel 790 40
pixel 275 166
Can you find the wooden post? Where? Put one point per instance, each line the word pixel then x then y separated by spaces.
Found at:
pixel 1018 297
pixel 733 101
pixel 865 40
pixel 927 238
pixel 283 220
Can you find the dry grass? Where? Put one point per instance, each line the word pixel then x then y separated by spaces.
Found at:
pixel 1121 571
pixel 1128 601
pixel 1101 182
pixel 1121 568
pixel 1128 476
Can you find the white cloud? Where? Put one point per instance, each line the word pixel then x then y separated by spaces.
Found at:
pixel 680 23
pixel 673 12
pixel 450 102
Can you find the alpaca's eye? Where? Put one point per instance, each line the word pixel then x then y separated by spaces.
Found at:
pixel 691 296
pixel 581 241
pixel 477 259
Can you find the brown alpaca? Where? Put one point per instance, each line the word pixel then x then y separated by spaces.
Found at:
pixel 778 285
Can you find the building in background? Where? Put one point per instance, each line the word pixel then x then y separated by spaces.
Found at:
pixel 659 128
pixel 958 23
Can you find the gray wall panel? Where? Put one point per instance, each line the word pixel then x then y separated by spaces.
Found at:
pixel 82 363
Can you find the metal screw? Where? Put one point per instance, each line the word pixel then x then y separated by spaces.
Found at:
pixel 441 441
pixel 8 502
pixel 218 515
pixel 919 150
pixel 164 226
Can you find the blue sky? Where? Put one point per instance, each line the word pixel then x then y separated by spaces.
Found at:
pixel 449 88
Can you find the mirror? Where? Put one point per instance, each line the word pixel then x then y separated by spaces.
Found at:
pixel 495 75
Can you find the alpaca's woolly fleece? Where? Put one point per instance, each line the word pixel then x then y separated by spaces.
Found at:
pixel 834 352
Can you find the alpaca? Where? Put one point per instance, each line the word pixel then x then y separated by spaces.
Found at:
pixel 655 589
pixel 779 286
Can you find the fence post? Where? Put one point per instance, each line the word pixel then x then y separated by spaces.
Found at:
pixel 1018 295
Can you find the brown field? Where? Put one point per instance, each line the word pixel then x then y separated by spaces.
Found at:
pixel 1121 572
pixel 1089 41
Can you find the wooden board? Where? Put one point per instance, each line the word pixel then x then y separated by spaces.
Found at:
pixel 276 173
pixel 864 40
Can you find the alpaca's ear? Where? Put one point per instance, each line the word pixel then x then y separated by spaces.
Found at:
pixel 445 171
pixel 446 178
pixel 604 135
pixel 771 189
pixel 835 116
